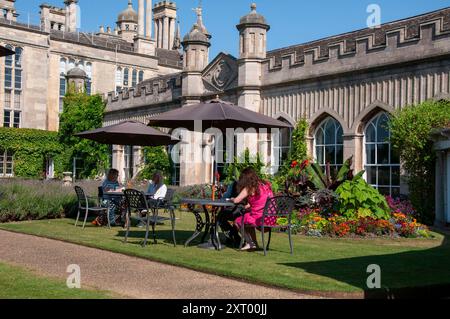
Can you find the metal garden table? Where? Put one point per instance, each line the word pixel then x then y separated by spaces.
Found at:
pixel 210 225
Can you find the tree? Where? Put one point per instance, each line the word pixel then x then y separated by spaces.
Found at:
pixel 156 159
pixel 82 112
pixel 410 136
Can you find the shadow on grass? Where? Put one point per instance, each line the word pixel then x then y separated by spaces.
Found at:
pixel 412 274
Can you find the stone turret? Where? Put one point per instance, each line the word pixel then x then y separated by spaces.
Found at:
pixel 127 23
pixel 196 51
pixel 252 47
pixel 77 77
pixel 9 9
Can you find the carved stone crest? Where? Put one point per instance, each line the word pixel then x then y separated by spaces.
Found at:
pixel 221 73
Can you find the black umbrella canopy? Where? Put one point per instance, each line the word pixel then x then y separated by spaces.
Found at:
pixel 218 114
pixel 129 133
pixel 5 51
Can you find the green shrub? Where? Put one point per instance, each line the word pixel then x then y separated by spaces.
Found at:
pixel 27 200
pixel 22 199
pixel 410 136
pixel 358 199
pixel 156 159
pixel 245 160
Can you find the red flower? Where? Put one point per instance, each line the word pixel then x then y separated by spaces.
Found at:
pixel 294 164
pixel 304 164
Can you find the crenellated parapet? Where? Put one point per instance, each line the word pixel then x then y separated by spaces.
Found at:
pixel 159 90
pixel 415 38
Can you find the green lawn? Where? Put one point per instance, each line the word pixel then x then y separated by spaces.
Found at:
pixel 318 264
pixel 18 283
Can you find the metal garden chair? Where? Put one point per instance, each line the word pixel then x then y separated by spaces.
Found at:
pixel 167 205
pixel 83 204
pixel 136 200
pixel 276 207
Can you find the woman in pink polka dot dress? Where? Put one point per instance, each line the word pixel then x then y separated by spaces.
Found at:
pixel 256 191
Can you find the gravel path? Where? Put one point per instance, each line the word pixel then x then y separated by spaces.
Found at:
pixel 127 276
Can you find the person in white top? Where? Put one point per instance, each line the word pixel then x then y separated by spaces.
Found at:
pixel 156 190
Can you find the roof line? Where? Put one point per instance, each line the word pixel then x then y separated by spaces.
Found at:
pixel 355 31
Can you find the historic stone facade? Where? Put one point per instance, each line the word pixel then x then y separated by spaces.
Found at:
pixel 34 81
pixel 345 86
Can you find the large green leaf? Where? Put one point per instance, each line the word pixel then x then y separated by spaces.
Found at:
pixel 343 172
pixel 314 176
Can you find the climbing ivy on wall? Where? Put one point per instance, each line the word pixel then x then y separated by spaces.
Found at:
pixel 31 148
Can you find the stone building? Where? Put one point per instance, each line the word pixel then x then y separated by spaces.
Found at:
pixel 33 81
pixel 346 86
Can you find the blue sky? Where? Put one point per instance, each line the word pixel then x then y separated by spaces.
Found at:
pixel 292 21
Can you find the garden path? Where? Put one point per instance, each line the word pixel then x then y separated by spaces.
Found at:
pixel 127 276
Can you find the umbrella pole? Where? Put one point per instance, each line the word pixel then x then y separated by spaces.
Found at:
pixel 213 168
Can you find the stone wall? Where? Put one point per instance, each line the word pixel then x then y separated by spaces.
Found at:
pixel 42 52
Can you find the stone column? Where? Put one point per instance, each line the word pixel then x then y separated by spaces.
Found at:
pixel 354 146
pixel 148 18
pixel 141 18
pixel 171 33
pixel 166 33
pixel 156 31
pixel 160 33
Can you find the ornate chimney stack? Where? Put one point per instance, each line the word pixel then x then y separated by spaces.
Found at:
pixel 71 15
pixel 165 15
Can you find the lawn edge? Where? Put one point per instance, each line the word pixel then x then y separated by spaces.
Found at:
pixel 314 293
pixel 110 295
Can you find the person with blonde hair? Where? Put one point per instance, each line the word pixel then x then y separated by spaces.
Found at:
pixel 156 190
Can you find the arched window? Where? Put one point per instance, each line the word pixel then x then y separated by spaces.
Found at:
pixel 9 58
pixel 329 144
pixel 119 79
pixel 18 57
pixel 134 78
pixel 382 165
pixel 88 71
pixel 62 82
pixel 141 76
pixel 12 100
pixel 126 74
pixel 71 64
pixel 285 143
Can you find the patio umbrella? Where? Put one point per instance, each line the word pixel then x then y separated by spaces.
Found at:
pixel 218 114
pixel 5 51
pixel 129 133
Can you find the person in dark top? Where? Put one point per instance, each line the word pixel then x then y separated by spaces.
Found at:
pixel 228 215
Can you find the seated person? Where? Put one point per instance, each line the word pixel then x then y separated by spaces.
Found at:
pixel 228 215
pixel 256 191
pixel 156 190
pixel 110 183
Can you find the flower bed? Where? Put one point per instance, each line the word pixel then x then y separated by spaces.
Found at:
pixel 344 205
pixel 314 222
